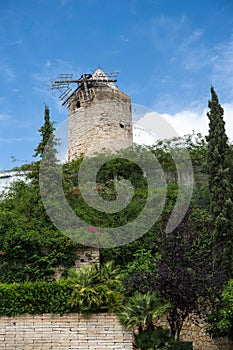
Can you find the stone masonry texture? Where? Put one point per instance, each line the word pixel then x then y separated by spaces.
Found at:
pixel 196 332
pixel 72 331
pixel 106 118
pixel 96 332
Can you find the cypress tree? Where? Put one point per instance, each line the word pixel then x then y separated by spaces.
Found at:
pixel 49 141
pixel 46 132
pixel 220 187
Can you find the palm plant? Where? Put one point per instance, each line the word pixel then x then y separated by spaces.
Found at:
pixel 111 275
pixel 139 315
pixel 96 289
pixel 141 310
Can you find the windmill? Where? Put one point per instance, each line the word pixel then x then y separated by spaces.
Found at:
pixel 85 83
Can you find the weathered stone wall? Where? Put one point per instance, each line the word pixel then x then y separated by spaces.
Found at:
pixel 95 332
pixel 107 117
pixel 46 332
pixel 87 256
pixel 196 332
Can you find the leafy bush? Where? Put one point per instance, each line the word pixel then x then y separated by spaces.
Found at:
pixel 181 345
pixel 90 290
pixel 35 298
pixel 160 339
pixel 96 289
pixel 221 321
pixel 139 313
pixel 30 246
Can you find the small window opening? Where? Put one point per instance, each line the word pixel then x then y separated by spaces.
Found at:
pixel 122 125
pixel 78 104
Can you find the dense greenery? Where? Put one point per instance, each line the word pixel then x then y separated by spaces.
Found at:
pixel 96 289
pixel 35 298
pixel 181 272
pixel 221 320
pixel 220 186
pixel 48 142
pixel 31 247
pixel 139 313
pixel 86 291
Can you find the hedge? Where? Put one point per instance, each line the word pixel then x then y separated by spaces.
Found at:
pixel 35 298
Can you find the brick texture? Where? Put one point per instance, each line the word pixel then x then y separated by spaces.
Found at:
pixel 73 331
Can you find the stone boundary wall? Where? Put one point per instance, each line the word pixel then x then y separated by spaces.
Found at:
pixel 95 332
pixel 71 331
pixel 196 332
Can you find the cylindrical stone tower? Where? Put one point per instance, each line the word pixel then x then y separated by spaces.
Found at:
pixel 98 112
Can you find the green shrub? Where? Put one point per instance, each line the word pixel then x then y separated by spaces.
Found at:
pixel 158 339
pixel 96 289
pixel 181 345
pixel 221 320
pixel 35 298
pixel 90 290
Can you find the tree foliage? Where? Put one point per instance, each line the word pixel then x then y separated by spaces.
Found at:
pixel 141 310
pixel 182 273
pixel 31 246
pixel 96 289
pixel 139 313
pixel 177 267
pixel 87 291
pixel 48 142
pixel 221 319
pixel 221 205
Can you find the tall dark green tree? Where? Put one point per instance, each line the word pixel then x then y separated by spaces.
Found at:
pixel 46 132
pixel 221 205
pixel 48 142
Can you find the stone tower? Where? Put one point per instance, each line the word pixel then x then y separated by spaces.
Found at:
pixel 98 112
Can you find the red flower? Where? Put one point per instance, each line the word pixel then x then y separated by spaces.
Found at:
pixel 74 191
pixel 2 253
pixel 92 229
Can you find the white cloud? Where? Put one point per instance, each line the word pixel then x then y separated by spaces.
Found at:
pixel 185 122
pixel 142 137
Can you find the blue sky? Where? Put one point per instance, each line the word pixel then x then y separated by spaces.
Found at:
pixel 168 54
